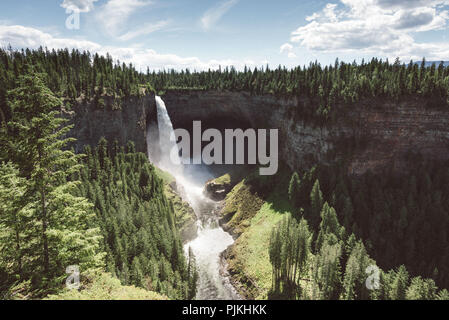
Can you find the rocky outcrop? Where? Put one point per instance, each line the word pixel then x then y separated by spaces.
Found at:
pixel 217 189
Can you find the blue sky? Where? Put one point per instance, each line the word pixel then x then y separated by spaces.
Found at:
pixel 201 34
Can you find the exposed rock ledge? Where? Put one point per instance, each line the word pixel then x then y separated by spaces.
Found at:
pixel 216 191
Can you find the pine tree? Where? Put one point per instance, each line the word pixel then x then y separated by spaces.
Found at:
pixel 443 295
pixel 328 225
pixel 192 274
pixel 421 289
pixel 293 190
pixel 400 284
pixel 354 286
pixel 327 270
pixel 136 276
pixel 316 201
pixel 301 252
pixel 15 223
pixel 36 144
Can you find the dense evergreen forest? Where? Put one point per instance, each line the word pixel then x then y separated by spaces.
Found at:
pixel 106 209
pixel 342 225
pixel 331 89
pixel 142 243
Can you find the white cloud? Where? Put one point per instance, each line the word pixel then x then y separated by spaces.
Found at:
pixel 146 29
pixel 376 27
pixel 409 4
pixel 26 37
pixel 329 12
pixel 213 15
pixel 115 13
pixel 314 16
pixel 288 48
pixel 78 5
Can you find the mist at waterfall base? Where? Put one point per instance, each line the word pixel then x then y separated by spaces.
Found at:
pixel 212 240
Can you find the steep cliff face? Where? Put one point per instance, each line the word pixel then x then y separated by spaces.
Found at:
pixel 385 131
pixel 394 130
pixel 129 123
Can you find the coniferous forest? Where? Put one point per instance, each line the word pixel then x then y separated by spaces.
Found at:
pixel 336 231
pixel 107 210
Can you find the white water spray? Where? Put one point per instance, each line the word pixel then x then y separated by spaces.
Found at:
pixel 211 240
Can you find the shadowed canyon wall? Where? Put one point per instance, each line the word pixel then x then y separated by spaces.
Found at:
pixel 380 132
pixel 385 132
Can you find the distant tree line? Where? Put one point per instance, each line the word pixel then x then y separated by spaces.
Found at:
pixel 329 90
pixel 71 74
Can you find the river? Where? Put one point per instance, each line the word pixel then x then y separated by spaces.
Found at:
pixel 211 240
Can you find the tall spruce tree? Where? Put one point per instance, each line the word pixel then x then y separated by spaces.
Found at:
pixel 16 245
pixel 35 135
pixel 293 190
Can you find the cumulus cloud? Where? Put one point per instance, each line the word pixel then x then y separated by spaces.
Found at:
pixel 78 5
pixel 314 16
pixel 25 37
pixel 115 13
pixel 330 13
pixel 377 27
pixel 288 48
pixel 213 15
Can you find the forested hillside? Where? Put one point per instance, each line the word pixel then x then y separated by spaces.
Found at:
pixel 103 211
pixel 341 225
pixel 137 221
pixel 320 234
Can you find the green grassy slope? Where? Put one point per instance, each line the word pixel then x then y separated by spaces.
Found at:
pixel 254 214
pixel 102 286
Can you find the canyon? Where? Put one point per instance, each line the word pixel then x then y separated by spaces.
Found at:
pixel 370 136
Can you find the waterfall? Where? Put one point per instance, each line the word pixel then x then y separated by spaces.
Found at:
pixel 169 157
pixel 212 240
